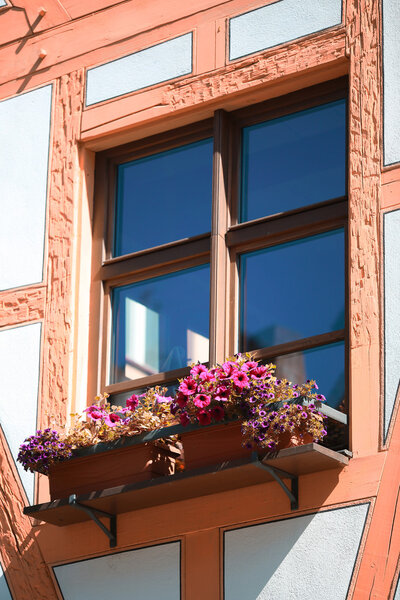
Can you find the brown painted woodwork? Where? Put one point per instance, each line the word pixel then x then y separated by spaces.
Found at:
pixel 221 247
pixel 211 445
pixel 112 468
pixel 228 475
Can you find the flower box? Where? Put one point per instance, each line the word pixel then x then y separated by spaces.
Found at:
pixel 214 444
pixel 205 446
pixel 108 465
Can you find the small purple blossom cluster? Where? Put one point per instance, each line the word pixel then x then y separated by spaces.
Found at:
pixel 267 430
pixel 40 451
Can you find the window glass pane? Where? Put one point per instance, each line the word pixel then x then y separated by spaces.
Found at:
pixel 160 324
pixel 324 364
pixel 293 161
pixel 292 291
pixel 163 197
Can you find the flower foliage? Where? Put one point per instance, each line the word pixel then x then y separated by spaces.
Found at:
pixel 101 422
pixel 240 388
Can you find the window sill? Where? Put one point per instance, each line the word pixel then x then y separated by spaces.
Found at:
pixel 229 475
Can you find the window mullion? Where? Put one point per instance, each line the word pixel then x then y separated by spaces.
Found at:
pixel 219 226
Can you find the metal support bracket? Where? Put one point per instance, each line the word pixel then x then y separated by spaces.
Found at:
pixel 279 475
pixel 93 513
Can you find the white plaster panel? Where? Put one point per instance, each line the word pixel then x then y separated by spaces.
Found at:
pixel 143 574
pixel 391 81
pixel 397 592
pixel 303 557
pixel 19 376
pixel 280 22
pixel 139 70
pixel 24 154
pixel 391 229
pixel 2 3
pixel 4 591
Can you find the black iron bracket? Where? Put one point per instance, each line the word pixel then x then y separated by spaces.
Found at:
pixel 94 513
pixel 279 475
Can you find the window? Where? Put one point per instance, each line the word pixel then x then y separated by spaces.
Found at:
pixel 226 236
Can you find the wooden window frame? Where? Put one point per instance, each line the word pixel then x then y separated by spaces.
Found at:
pixel 220 247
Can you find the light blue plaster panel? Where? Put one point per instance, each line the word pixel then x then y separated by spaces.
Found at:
pixel 142 574
pixel 2 3
pixel 19 377
pixel 280 22
pixel 397 592
pixel 139 70
pixel 310 557
pixel 4 590
pixel 391 245
pixel 391 81
pixel 24 154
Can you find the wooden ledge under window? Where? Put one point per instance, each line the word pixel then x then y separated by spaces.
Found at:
pixel 290 463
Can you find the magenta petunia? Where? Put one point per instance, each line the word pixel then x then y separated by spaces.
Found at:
pixel 201 400
pixel 259 372
pixel 132 402
pixel 112 419
pixel 95 415
pixel 181 400
pixel 217 413
pixel 240 379
pixel 204 417
pixel 184 419
pixel 221 394
pixel 188 386
pixel 197 370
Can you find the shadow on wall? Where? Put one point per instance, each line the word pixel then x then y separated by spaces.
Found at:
pixel 308 557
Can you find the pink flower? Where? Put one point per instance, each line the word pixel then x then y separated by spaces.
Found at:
pixel 95 415
pixel 90 409
pixel 188 386
pixel 132 402
pixel 184 419
pixel 198 370
pixel 207 376
pixel 248 366
pixel 181 400
pixel 204 417
pixel 201 400
pixel 240 379
pixel 163 399
pixel 222 393
pixel 259 372
pixel 217 413
pixel 112 419
pixel 229 369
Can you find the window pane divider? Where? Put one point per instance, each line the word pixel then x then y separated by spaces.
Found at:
pixel 290 225
pixel 165 255
pixel 219 225
pixel 299 345
pixel 149 381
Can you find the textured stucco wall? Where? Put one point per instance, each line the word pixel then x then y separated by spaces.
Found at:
pixel 391 81
pixel 24 152
pixel 139 70
pixel 280 22
pixel 287 560
pixel 145 573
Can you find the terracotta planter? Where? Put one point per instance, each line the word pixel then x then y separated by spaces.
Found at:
pixel 97 470
pixel 211 445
